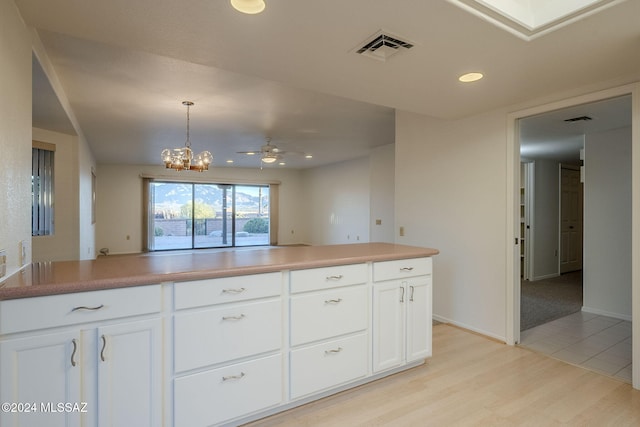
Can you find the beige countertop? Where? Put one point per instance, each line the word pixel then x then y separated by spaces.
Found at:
pixel 106 272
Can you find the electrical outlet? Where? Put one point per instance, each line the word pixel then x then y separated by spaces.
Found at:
pixel 3 262
pixel 401 231
pixel 22 252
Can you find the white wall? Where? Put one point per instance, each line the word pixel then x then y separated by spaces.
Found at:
pixel 86 226
pixel 119 202
pixel 607 223
pixel 450 195
pixel 326 205
pixel 546 213
pixel 338 202
pixel 64 243
pixel 382 187
pixel 15 134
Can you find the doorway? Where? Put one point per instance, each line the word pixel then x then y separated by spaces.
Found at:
pixel 514 265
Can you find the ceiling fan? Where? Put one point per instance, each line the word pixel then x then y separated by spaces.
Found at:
pixel 269 153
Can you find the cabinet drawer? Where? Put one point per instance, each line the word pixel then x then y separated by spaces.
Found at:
pixel 398 269
pixel 327 314
pixel 82 307
pixel 218 395
pixel 226 333
pixel 327 365
pixel 328 277
pixel 200 293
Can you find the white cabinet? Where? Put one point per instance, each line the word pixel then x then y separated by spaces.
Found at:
pixel 40 369
pixel 110 373
pixel 227 332
pixel 130 374
pixel 329 328
pixel 328 364
pixel 208 352
pixel 218 395
pixel 321 315
pixel 401 312
pixel 227 348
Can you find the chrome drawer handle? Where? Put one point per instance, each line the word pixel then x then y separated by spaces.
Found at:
pixel 336 350
pixel 406 269
pixel 104 345
pixel 233 377
pixel 333 301
pixel 242 316
pixel 338 277
pixel 233 291
pixel 84 307
pixel 73 353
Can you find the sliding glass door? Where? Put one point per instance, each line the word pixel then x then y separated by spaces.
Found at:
pixel 194 215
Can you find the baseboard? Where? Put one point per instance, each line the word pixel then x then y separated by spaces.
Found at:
pixel 469 328
pixel 546 276
pixel 606 313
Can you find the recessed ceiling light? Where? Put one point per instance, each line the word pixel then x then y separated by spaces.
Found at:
pixel 248 6
pixel 282 163
pixel 470 77
pixel 250 153
pixel 229 161
pixel 308 156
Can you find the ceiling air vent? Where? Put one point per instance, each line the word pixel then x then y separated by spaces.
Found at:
pixel 578 119
pixel 382 45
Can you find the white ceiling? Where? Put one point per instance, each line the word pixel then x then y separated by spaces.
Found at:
pixel 550 136
pixel 291 73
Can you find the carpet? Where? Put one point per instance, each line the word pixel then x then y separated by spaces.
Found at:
pixel 545 300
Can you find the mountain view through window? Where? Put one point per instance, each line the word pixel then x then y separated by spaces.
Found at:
pixel 193 215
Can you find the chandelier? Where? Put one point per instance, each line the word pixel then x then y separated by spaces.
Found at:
pixel 183 158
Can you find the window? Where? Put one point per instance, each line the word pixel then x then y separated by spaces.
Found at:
pixel 185 215
pixel 42 161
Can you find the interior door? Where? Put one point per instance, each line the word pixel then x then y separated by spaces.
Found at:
pixel 570 219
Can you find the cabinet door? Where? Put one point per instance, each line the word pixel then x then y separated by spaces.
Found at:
pixel 418 319
pixel 41 370
pixel 130 374
pixel 388 324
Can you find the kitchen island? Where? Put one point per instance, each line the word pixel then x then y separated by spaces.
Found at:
pixel 210 337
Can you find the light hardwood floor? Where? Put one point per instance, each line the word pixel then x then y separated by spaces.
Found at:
pixel 475 381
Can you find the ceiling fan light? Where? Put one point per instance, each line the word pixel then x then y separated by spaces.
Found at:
pixel 250 7
pixel 269 159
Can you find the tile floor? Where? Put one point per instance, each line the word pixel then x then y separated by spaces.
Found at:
pixel 598 343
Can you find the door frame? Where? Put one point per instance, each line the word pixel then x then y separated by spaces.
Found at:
pixel 529 219
pixel 513 211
